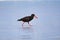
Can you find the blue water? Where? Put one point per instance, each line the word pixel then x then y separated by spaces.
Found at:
pixel 46 27
pixel 33 33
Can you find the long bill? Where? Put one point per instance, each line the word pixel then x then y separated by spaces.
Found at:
pixel 35 16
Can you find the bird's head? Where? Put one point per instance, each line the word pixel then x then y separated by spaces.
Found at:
pixel 33 15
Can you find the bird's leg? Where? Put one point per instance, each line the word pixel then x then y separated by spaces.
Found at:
pixel 29 24
pixel 23 23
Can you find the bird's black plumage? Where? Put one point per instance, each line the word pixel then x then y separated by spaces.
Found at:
pixel 27 18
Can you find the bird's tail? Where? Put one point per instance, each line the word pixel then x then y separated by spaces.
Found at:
pixel 19 19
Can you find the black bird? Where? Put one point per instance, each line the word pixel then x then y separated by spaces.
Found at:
pixel 27 19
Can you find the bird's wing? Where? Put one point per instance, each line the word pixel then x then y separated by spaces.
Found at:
pixel 26 18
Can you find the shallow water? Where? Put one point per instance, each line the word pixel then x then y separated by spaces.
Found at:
pixel 33 33
pixel 46 27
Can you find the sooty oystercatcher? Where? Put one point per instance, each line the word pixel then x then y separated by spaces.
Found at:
pixel 27 19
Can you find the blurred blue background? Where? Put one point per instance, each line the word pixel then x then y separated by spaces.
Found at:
pixel 46 27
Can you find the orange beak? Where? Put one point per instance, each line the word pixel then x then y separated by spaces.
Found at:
pixel 35 16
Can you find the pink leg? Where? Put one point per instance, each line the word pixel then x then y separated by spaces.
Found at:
pixel 29 24
pixel 22 24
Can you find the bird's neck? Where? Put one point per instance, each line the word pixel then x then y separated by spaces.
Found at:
pixel 32 17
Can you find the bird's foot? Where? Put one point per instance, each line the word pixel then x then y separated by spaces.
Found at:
pixel 30 25
pixel 23 27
